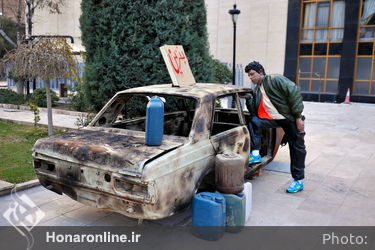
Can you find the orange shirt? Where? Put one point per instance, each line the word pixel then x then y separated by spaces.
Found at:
pixel 262 113
pixel 266 109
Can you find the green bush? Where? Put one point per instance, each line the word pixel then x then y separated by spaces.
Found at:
pixel 77 98
pixel 122 40
pixel 39 97
pixel 10 97
pixel 221 72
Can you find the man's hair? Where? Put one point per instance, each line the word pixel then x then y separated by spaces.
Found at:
pixel 256 66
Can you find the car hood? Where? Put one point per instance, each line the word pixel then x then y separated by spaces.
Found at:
pixel 119 150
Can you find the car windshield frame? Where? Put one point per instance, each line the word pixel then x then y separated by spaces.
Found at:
pixel 118 103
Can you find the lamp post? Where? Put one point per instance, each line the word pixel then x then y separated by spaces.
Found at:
pixel 234 13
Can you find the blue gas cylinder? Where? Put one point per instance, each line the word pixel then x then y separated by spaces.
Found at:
pixel 208 217
pixel 154 121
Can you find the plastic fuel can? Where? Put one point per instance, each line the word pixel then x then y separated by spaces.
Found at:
pixel 248 191
pixel 235 211
pixel 229 173
pixel 154 121
pixel 208 217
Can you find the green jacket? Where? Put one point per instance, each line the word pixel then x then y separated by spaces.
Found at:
pixel 282 92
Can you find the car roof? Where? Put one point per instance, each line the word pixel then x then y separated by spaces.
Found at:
pixel 198 90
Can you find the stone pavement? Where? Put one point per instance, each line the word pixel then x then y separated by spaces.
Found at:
pixel 339 183
pixel 340 172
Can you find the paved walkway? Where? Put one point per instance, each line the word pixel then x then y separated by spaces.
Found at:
pixel 339 184
pixel 19 114
pixel 340 172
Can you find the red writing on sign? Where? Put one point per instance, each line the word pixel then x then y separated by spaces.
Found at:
pixel 176 58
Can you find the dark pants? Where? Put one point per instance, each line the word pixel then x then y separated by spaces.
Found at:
pixel 295 140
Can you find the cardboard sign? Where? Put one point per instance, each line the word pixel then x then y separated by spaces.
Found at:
pixel 178 65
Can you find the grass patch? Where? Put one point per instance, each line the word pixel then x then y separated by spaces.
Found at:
pixel 16 143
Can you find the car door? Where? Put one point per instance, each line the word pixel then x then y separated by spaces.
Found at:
pixel 229 132
pixel 271 138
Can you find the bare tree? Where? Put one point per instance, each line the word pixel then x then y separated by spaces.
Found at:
pixel 47 58
pixel 54 7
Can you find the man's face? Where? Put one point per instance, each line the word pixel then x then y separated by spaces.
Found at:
pixel 255 77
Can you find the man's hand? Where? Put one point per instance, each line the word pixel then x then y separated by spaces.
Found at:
pixel 244 95
pixel 300 125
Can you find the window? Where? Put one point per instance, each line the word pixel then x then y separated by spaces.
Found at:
pixel 364 69
pixel 129 112
pixel 225 118
pixel 320 46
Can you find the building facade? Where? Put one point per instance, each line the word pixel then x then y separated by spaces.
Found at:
pixel 325 46
pixel 64 24
pixel 261 32
pixel 335 49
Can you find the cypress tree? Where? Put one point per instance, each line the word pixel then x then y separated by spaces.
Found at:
pixel 122 40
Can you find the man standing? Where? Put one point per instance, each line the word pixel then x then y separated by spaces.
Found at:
pixel 277 102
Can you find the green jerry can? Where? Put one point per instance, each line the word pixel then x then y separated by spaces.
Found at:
pixel 235 212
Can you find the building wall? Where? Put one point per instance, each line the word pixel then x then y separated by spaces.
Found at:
pixel 9 8
pixel 261 32
pixel 348 55
pixel 261 29
pixel 267 31
pixel 66 23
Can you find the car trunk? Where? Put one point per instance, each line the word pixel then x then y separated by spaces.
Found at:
pixel 115 149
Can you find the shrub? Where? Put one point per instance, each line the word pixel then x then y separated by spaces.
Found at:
pixel 11 97
pixel 84 120
pixel 77 98
pixel 36 111
pixel 122 46
pixel 39 97
pixel 221 72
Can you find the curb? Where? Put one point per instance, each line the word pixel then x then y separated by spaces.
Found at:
pixel 20 186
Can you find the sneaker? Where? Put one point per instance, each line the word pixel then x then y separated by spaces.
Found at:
pixel 254 159
pixel 295 187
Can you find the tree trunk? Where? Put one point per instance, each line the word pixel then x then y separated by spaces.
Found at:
pixel 19 87
pixel 49 108
pixel 6 37
pixel 29 16
pixel 27 87
pixel 18 24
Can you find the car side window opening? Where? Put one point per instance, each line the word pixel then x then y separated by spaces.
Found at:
pixel 226 115
pixel 245 111
pixel 128 111
pixel 266 133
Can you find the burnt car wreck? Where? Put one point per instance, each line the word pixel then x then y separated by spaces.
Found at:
pixel 108 165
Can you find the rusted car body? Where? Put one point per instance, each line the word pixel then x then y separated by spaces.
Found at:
pixel 108 165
